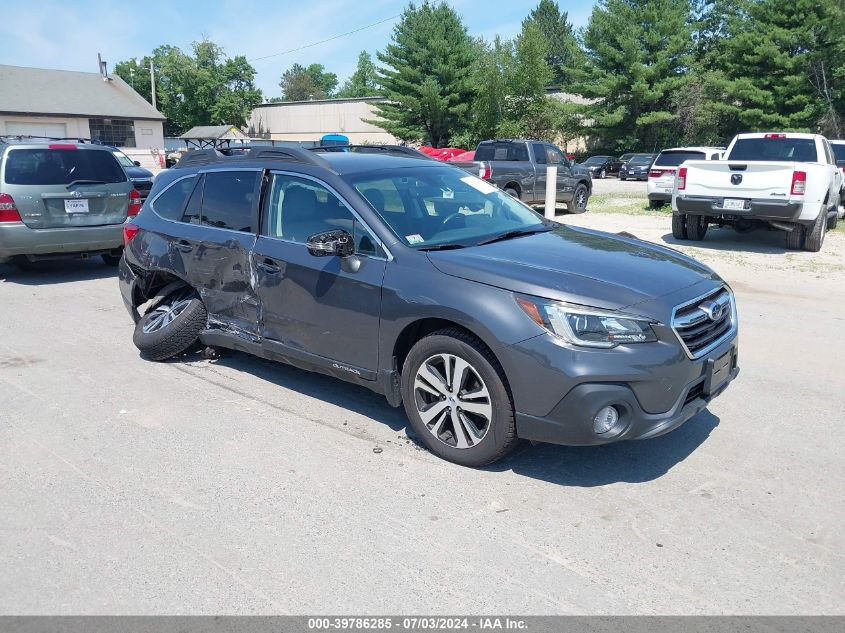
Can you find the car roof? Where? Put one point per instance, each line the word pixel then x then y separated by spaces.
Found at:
pixel 697 148
pixel 806 135
pixel 356 162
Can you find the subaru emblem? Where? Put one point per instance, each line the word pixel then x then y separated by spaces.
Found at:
pixel 712 309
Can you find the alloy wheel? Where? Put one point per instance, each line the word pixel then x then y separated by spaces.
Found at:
pixel 452 401
pixel 165 313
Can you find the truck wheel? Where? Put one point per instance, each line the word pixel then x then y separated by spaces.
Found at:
pixel 696 227
pixel 833 220
pixel 512 192
pixel 655 204
pixel 814 237
pixel 679 227
pixel 578 204
pixel 172 326
pixel 457 400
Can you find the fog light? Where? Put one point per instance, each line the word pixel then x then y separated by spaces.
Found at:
pixel 605 420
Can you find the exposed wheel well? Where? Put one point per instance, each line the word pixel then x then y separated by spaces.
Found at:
pixel 419 329
pixel 515 186
pixel 155 283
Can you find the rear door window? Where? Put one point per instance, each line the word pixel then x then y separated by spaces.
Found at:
pixel 539 153
pixel 502 151
pixel 799 150
pixel 171 202
pixel 674 158
pixel 228 200
pixel 42 166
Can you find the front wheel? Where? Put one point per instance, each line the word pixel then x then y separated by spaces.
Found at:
pixel 456 399
pixel 172 326
pixel 580 196
pixel 602 174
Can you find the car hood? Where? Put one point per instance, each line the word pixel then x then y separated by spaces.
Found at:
pixel 581 266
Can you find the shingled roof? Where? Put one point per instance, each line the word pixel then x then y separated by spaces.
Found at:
pixel 32 91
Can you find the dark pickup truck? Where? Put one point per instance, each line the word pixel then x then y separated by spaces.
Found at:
pixel 518 167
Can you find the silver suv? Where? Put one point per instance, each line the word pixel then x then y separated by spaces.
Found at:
pixel 61 198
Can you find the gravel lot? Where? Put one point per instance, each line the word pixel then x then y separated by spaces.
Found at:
pixel 243 486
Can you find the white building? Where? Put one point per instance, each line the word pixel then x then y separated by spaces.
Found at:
pixel 67 104
pixel 310 120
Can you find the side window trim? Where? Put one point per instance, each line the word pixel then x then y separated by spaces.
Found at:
pixel 184 202
pixel 333 191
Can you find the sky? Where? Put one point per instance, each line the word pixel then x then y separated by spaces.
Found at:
pixel 68 35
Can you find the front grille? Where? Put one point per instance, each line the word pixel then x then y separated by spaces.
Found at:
pixel 704 323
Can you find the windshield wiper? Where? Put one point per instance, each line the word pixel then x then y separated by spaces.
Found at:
pixel 442 247
pixel 515 233
pixel 84 182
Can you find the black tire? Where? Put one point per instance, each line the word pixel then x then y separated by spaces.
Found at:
pixel 622 178
pixel 679 227
pixel 656 204
pixel 696 227
pixel 23 263
pixel 512 192
pixel 602 174
pixel 176 335
pixel 833 220
pixel 814 236
pixel 499 435
pixel 795 238
pixel 580 198
pixel 110 260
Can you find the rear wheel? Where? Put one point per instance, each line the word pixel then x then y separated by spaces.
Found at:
pixel 172 326
pixel 456 399
pixel 512 192
pixel 833 220
pixel 655 204
pixel 696 227
pixel 580 196
pixel 679 227
pixel 110 260
pixel 814 237
pixel 795 238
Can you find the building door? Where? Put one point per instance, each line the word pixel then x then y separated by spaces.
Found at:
pixel 56 130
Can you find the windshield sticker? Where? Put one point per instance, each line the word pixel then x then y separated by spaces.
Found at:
pixel 448 194
pixel 479 185
pixel 416 238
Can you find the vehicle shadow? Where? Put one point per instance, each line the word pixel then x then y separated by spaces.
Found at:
pixel 57 272
pixel 631 462
pixel 761 241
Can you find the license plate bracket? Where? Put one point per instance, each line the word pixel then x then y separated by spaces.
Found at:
pixel 734 204
pixel 77 205
pixel 718 371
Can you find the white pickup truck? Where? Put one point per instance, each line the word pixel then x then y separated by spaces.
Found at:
pixel 788 181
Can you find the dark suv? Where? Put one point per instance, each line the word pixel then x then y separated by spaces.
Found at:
pixel 432 287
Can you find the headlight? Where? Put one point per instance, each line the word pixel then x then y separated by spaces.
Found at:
pixel 590 327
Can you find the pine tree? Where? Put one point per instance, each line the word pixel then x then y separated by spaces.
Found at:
pixel 638 52
pixel 426 75
pixel 362 83
pixel 563 52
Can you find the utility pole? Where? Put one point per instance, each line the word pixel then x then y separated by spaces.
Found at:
pixel 153 83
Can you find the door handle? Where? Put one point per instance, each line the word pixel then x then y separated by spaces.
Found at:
pixel 183 246
pixel 269 267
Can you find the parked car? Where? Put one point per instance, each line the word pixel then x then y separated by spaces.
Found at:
pixel 518 167
pixel 487 322
pixel 661 176
pixel 788 181
pixel 636 167
pixel 142 179
pixel 62 199
pixel 602 166
pixel 626 157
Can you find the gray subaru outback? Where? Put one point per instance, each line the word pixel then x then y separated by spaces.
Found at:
pixel 487 322
pixel 61 198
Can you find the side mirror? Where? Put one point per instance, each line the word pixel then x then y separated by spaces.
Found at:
pixel 137 163
pixel 331 243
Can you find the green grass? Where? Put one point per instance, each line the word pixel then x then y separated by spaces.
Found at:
pixel 625 204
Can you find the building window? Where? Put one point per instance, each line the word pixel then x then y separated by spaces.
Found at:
pixel 118 132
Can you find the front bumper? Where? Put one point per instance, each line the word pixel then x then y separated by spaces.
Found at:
pixel 17 238
pixel 779 211
pixel 655 391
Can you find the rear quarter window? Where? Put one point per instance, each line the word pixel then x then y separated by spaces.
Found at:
pixel 675 158
pixel 170 203
pixel 42 166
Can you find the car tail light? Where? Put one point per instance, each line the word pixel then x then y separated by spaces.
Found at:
pixel 130 231
pixel 485 171
pixel 134 203
pixel 8 210
pixel 657 173
pixel 682 178
pixel 61 146
pixel 799 183
pixel 774 136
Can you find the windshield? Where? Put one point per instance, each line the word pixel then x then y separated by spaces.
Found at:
pixel 640 160
pixel 435 206
pixel 596 160
pixel 123 159
pixel 675 158
pixel 800 150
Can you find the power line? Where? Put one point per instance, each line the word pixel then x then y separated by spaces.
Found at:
pixel 293 50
